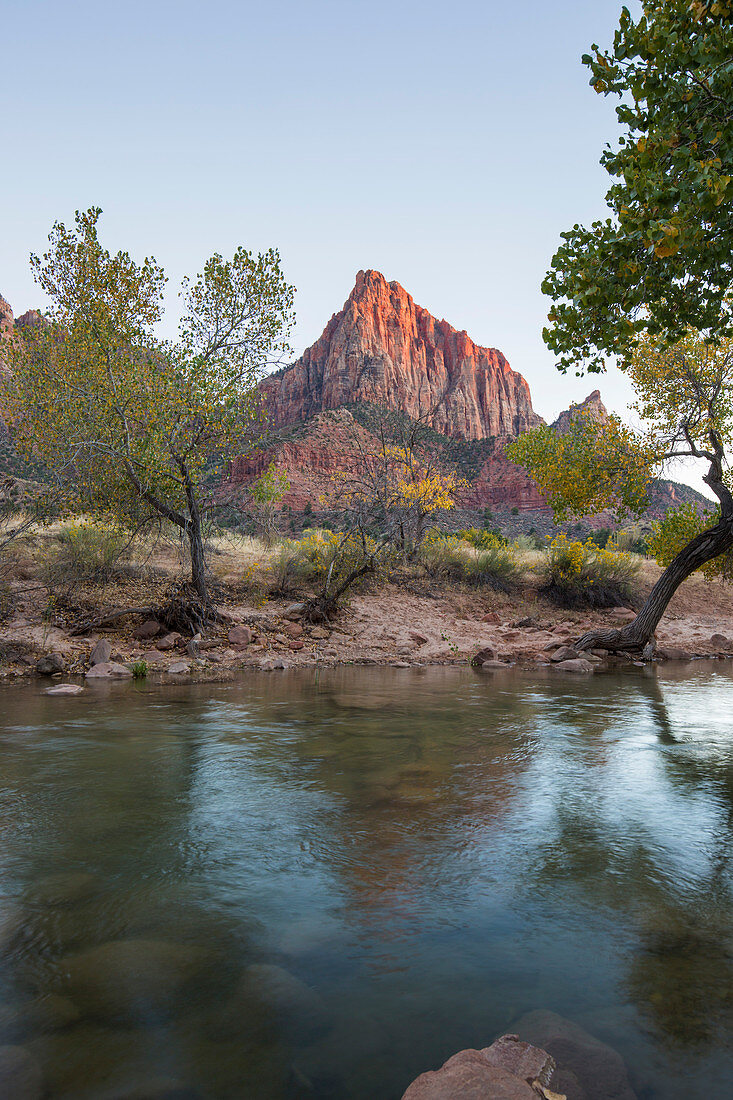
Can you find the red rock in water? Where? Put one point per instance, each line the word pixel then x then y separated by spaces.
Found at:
pixel 385 349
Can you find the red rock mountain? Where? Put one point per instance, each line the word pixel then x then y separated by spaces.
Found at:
pixel 383 348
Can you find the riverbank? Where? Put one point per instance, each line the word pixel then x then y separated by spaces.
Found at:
pixel 391 624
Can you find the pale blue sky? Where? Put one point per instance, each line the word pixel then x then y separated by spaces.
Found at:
pixel 446 145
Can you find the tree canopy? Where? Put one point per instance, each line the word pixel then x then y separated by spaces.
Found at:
pixel 662 262
pixel 685 403
pixel 128 423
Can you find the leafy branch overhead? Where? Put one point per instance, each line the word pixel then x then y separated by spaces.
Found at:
pixel 662 262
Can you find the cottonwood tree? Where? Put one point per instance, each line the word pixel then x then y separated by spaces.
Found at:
pixel 662 262
pixel 126 422
pixel 396 482
pixel 685 400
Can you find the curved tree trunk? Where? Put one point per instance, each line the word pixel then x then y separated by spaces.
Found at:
pixel 637 634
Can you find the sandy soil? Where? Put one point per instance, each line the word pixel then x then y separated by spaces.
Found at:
pixel 388 626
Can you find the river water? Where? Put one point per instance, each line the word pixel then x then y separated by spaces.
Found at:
pixel 323 884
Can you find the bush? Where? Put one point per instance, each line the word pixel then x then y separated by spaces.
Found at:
pixel 581 574
pixel 86 553
pixel 325 558
pixel 453 559
pixel 481 537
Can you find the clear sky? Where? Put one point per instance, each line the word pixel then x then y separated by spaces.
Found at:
pixel 444 144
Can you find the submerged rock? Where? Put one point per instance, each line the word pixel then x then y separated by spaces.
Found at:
pixel 587 1068
pixel 20 1074
pixel 64 689
pixel 127 978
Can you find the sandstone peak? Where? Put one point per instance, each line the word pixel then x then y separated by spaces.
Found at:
pixel 382 347
pixel 592 405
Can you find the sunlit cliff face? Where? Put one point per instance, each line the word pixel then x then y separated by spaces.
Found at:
pixel 383 348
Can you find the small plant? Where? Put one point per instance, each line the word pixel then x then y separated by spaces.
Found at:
pixel 451 645
pixel 139 670
pixel 493 563
pixel 515 511
pixel 581 574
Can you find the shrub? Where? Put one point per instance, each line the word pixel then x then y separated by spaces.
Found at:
pixel 325 558
pixel 87 552
pixel 581 574
pixel 481 537
pixel 140 670
pixel 515 511
pixel 492 563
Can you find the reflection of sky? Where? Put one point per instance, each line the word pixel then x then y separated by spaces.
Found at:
pixel 438 851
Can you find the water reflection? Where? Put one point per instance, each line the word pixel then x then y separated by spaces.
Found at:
pixel 319 886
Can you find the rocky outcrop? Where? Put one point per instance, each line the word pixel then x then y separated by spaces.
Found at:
pixel 507 1070
pixel 383 348
pixel 592 406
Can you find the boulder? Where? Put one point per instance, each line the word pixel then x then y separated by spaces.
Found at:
pixel 147 630
pixel 101 652
pixel 418 639
pixel 564 653
pixel 674 653
pixel 294 611
pixel 168 641
pixel 490 617
pixel 720 641
pixel 239 635
pixel 469 1075
pixel 50 664
pixel 320 633
pixel 108 670
pixel 575 664
pixel 20 1074
pixel 128 979
pixel 296 643
pixel 293 630
pixel 153 656
pixel 529 1063
pixel 192 646
pixel 179 668
pixel 488 653
pixel 64 689
pixel 587 1068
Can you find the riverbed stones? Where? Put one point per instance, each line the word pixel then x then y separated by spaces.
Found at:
pixel 720 641
pixel 239 636
pixel 674 653
pixel 151 628
pixel 126 978
pixel 575 664
pixel 587 1069
pixel 20 1074
pixel 108 670
pixel 101 652
pixel 488 653
pixel 294 611
pixel 64 689
pixel 50 664
pixel 179 668
pixel 168 641
pixel 564 653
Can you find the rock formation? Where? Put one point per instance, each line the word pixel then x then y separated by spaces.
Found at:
pixel 383 348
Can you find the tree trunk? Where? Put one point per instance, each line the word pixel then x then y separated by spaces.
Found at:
pixel 198 561
pixel 637 634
